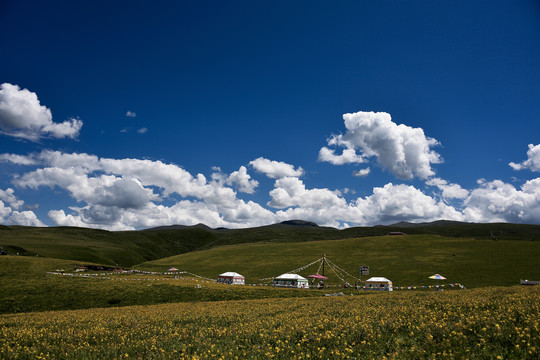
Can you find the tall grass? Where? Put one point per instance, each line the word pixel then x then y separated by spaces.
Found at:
pixel 26 286
pixel 491 323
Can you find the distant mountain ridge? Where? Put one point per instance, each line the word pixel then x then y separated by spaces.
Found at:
pixel 299 223
pixel 406 224
pixel 304 223
pixel 205 227
pixel 181 227
pixel 127 248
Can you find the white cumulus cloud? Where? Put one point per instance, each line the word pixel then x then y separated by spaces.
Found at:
pixel 533 159
pixel 11 213
pixel 497 201
pixel 17 159
pixel 9 197
pixel 24 218
pixel 121 194
pixel 291 191
pixel 388 204
pixel 239 179
pixel 404 151
pixel 4 211
pixel 449 191
pixel 62 219
pixel 392 203
pixel 348 156
pixel 275 169
pixel 362 172
pixel 22 116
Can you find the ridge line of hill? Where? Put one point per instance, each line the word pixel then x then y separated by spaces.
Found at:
pixel 127 248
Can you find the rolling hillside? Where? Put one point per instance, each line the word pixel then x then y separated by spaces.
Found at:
pixel 127 248
pixel 103 247
pixel 26 286
pixel 406 260
pixel 474 260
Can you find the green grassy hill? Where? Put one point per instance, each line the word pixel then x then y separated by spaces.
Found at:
pixel 127 248
pixel 499 231
pixel 406 260
pixel 124 248
pixel 25 286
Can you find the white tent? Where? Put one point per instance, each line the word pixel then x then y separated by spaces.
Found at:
pixel 231 278
pixel 291 280
pixel 378 283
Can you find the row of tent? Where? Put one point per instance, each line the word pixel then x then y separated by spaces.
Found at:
pixel 285 280
pixel 298 281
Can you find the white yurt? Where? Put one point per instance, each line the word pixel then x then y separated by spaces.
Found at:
pixel 232 278
pixel 291 280
pixel 378 283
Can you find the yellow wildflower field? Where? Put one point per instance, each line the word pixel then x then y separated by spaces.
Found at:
pixel 482 323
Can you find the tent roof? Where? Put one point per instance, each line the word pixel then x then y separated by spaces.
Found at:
pixel 290 277
pixel 231 274
pixel 378 279
pixel 437 277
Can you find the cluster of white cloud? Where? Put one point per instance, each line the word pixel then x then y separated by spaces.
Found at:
pixel 404 151
pixel 407 153
pixel 497 201
pixel 120 194
pixel 275 169
pixel 348 156
pixel 11 210
pixel 129 194
pixel 532 162
pixel 239 179
pixel 362 172
pixel 449 191
pixel 387 204
pixel 140 131
pixel 22 116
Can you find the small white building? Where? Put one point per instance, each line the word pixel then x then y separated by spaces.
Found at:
pixel 378 283
pixel 291 280
pixel 231 278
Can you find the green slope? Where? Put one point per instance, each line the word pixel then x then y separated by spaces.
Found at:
pixel 406 260
pixel 99 246
pixel 25 286
pixel 127 248
pixel 499 231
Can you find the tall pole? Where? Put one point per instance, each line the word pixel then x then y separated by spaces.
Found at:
pixel 323 261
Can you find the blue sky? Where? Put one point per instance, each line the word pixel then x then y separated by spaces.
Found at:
pixel 129 115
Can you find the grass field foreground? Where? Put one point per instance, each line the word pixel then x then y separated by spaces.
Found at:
pixel 27 287
pixel 484 323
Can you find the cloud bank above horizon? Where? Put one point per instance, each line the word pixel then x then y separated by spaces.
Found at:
pixel 121 194
pixel 130 193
